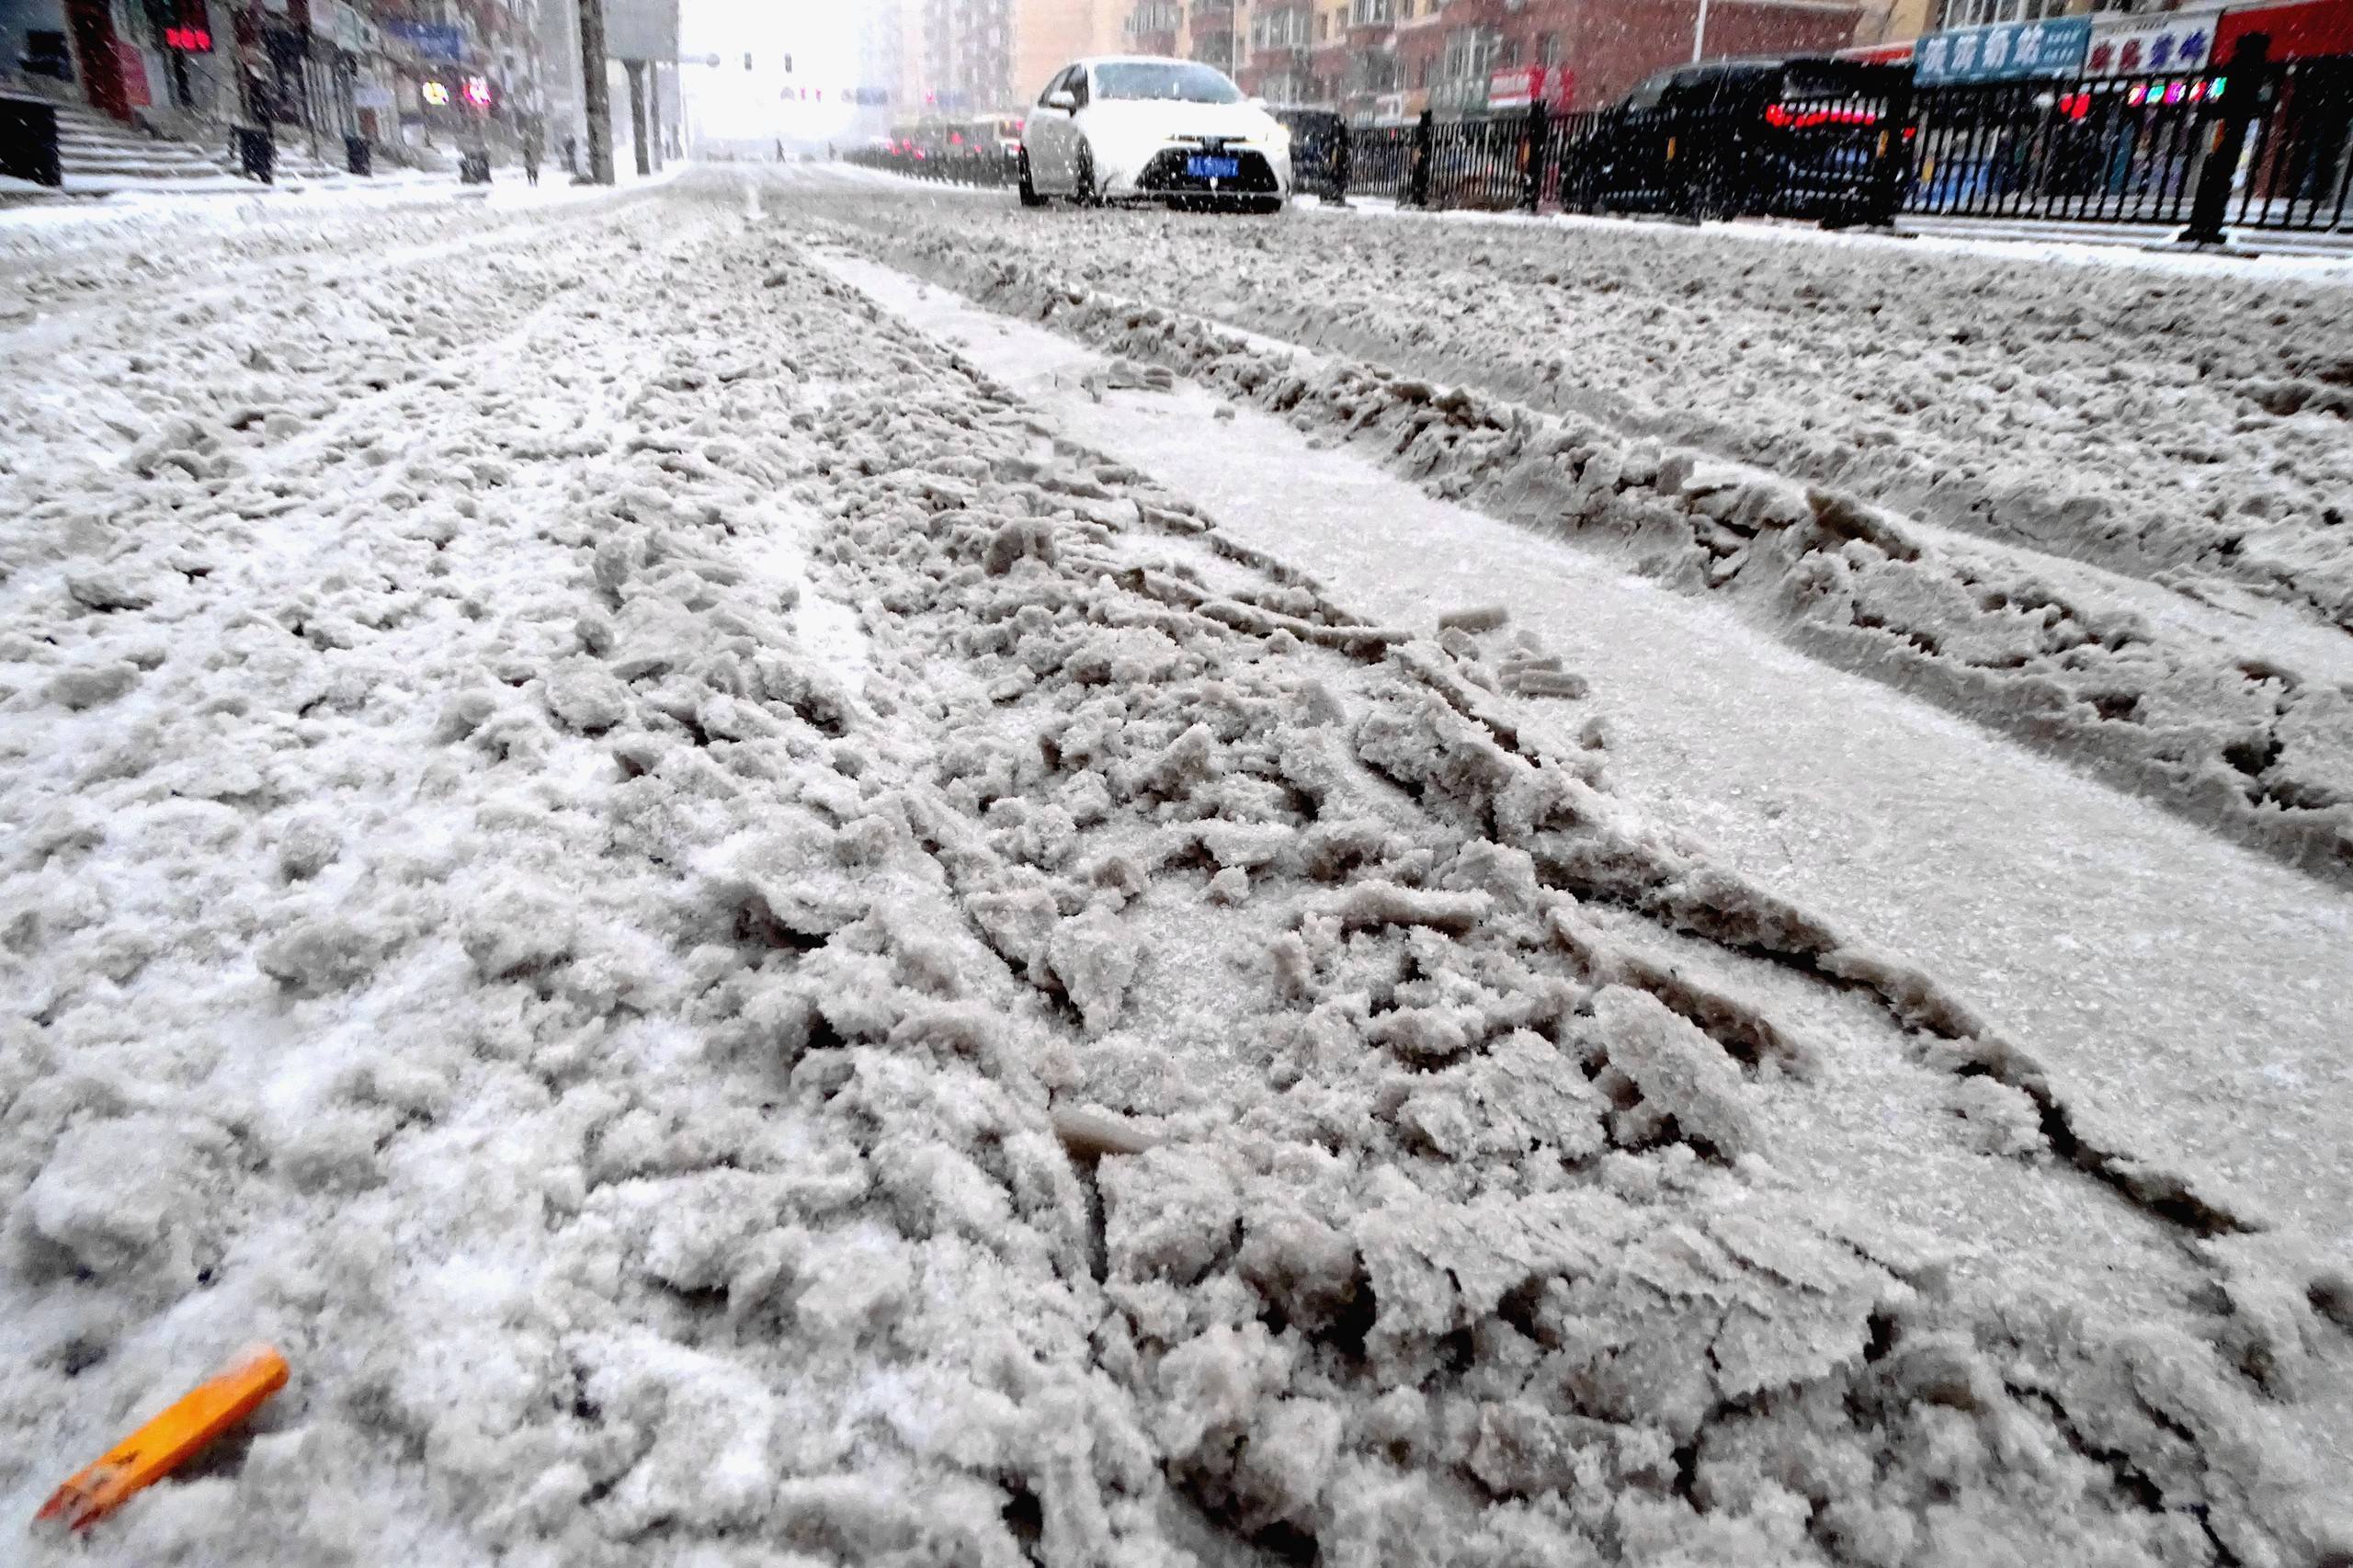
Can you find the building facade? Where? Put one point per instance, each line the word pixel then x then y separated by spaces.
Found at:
pixel 956 56
pixel 1050 34
pixel 397 74
pixel 1390 59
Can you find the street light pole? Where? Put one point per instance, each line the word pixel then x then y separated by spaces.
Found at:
pixel 1700 34
pixel 594 97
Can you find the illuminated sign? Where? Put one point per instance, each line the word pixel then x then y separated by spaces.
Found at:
pixel 188 41
pixel 477 91
pixel 436 94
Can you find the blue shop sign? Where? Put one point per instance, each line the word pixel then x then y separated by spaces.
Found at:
pixel 2004 52
pixel 429 40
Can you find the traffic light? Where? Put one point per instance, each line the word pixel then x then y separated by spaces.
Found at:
pixel 787 66
pixel 747 61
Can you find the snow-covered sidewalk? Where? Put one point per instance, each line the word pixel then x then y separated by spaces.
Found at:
pixel 750 954
pixel 148 221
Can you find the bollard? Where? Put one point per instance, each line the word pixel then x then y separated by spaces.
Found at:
pixel 28 142
pixel 256 152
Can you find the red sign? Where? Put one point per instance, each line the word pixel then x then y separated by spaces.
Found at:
pixel 2297 31
pixel 187 41
pixel 134 74
pixel 1516 86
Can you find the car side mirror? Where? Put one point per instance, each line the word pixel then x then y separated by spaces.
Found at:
pixel 1063 99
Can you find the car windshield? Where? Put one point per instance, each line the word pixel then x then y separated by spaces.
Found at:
pixel 1176 81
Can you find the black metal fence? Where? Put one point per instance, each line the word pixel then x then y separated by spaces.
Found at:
pixel 2249 144
pixel 957 163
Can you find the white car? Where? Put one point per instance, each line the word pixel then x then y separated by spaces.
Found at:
pixel 1139 127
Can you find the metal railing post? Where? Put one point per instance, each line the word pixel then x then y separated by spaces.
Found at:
pixel 1531 156
pixel 1417 168
pixel 1891 171
pixel 2242 82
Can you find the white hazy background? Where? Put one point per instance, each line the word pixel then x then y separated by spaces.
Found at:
pixel 728 102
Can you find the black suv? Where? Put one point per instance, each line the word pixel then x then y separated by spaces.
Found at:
pixel 1791 138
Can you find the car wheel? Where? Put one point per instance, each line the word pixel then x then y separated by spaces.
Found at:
pixel 1083 190
pixel 1030 197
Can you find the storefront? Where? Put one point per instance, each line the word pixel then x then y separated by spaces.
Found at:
pixel 2007 51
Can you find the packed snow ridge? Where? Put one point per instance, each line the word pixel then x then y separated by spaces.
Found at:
pixel 748 957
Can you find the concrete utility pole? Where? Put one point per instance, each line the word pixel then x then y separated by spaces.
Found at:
pixel 653 105
pixel 636 69
pixel 1700 34
pixel 594 98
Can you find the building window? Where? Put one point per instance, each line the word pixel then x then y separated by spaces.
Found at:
pixel 1548 49
pixel 1469 54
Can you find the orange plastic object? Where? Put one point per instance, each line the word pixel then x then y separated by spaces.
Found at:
pixel 169 1441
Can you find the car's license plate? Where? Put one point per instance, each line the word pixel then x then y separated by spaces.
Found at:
pixel 1213 169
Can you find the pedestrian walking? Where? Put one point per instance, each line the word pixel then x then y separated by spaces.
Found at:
pixel 531 161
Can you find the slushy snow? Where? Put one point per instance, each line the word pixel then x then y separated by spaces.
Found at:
pixel 748 956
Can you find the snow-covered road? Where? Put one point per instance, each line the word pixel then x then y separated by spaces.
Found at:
pixel 2102 508
pixel 759 938
pixel 2055 908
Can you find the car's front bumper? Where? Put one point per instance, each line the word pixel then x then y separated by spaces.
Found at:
pixel 1159 173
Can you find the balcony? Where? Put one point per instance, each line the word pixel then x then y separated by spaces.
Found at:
pixel 1371 21
pixel 1476 13
pixel 1215 49
pixel 1213 16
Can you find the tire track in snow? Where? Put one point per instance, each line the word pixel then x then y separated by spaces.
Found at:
pixel 1913 998
pixel 1976 894
pixel 2236 722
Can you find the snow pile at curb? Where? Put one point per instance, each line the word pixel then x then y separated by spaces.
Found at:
pixel 2229 740
pixel 1102 1057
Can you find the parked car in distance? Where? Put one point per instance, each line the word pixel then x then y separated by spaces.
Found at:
pixel 1792 137
pixel 1319 151
pixel 1142 128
